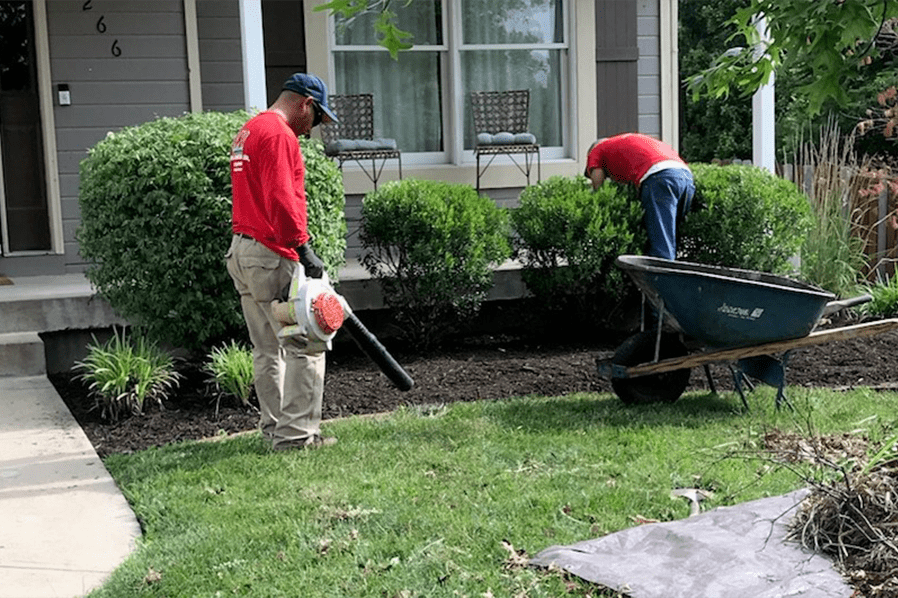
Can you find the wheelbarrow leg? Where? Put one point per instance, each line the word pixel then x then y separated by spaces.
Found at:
pixel 711 384
pixel 769 370
pixel 738 378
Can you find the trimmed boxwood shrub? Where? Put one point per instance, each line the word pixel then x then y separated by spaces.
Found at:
pixel 567 238
pixel 155 224
pixel 753 219
pixel 433 246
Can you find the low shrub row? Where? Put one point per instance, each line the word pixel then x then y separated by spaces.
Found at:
pixel 163 187
pixel 434 246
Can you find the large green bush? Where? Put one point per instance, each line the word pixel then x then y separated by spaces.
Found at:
pixel 568 236
pixel 433 246
pixel 155 224
pixel 753 219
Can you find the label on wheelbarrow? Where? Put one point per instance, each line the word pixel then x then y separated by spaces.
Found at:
pixel 742 313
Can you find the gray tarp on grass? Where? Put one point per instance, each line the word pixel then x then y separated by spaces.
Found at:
pixel 728 552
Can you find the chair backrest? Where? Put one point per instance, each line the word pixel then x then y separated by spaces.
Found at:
pixel 356 114
pixel 501 111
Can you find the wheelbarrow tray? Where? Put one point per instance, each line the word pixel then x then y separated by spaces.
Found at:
pixel 724 308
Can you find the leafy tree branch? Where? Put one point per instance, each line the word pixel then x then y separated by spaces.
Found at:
pixel 388 34
pixel 829 41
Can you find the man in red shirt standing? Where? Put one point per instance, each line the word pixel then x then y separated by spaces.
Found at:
pixel 663 181
pixel 271 236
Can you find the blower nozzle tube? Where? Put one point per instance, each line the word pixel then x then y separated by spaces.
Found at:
pixel 372 347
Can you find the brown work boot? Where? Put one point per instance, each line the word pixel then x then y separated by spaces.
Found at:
pixel 312 442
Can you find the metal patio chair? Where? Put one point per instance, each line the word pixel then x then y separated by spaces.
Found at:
pixel 501 122
pixel 353 137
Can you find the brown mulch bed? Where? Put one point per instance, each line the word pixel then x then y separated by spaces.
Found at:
pixel 489 366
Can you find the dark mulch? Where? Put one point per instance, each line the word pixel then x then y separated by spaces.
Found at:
pixel 487 366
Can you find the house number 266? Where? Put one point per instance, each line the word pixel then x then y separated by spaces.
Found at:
pixel 101 28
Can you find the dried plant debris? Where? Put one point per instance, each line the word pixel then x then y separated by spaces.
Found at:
pixel 854 517
pixel 790 447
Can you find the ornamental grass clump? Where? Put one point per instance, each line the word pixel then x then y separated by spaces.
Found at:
pixel 231 369
pixel 124 372
pixel 832 255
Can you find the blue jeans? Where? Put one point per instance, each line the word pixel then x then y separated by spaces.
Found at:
pixel 665 195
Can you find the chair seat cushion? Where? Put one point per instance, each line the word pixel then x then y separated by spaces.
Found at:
pixel 359 145
pixel 506 138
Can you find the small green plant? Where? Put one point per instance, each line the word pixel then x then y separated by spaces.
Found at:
pixel 231 369
pixel 432 245
pixel 752 219
pixel 124 372
pixel 568 236
pixel 885 298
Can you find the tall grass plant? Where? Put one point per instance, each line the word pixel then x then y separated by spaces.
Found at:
pixel 832 256
pixel 125 372
pixel 231 368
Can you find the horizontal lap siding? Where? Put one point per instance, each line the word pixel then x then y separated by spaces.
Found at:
pixel 125 63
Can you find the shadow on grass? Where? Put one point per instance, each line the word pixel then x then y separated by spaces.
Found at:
pixel 585 411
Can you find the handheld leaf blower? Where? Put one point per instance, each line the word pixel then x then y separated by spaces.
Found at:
pixel 315 312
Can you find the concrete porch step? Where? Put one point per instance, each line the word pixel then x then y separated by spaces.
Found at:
pixel 22 354
pixel 45 303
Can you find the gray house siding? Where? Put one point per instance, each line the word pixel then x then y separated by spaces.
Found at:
pixel 221 60
pixel 648 68
pixel 124 63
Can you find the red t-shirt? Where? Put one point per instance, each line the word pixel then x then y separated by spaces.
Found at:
pixel 268 179
pixel 626 158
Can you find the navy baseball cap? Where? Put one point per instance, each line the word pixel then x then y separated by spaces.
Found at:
pixel 312 87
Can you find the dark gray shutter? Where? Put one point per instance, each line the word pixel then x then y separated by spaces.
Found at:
pixel 616 55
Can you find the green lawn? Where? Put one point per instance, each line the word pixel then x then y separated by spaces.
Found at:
pixel 444 501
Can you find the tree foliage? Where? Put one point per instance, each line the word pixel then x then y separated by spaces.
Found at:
pixel 710 127
pixel 831 40
pixel 388 34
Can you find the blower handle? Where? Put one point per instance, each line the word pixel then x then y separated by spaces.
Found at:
pixel 377 352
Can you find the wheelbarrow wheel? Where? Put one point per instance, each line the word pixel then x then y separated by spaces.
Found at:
pixel 654 388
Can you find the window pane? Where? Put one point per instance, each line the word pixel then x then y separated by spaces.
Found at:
pixel 15 57
pixel 421 18
pixel 501 70
pixel 512 21
pixel 407 94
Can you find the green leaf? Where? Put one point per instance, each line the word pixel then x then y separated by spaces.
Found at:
pixel 391 37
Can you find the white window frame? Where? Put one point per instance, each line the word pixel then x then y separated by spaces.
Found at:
pixel 454 105
pixel 48 131
pixel 582 118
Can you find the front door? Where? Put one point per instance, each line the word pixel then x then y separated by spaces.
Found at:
pixel 24 213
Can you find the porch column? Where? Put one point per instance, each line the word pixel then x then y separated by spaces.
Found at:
pixel 253 45
pixel 762 117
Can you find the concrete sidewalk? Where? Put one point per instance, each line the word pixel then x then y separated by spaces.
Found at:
pixel 64 524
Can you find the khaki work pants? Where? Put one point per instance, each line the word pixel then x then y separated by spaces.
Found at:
pixel 289 378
